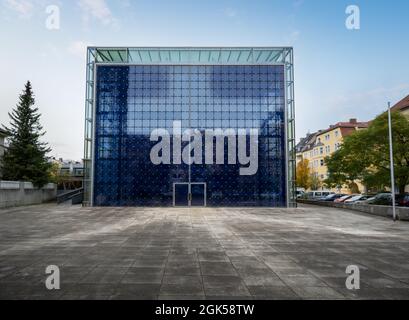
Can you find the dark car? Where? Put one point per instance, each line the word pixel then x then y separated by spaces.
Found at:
pixel 382 199
pixel 333 197
pixel 402 200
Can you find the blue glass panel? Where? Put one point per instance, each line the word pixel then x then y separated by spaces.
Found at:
pixel 132 101
pixel 198 195
pixel 181 195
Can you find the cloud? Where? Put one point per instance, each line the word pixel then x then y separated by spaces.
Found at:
pixel 97 9
pixel 78 49
pixel 230 12
pixel 23 7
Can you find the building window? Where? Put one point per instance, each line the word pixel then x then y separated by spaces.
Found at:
pixel 322 162
pixel 336 134
pixel 337 146
pixel 322 150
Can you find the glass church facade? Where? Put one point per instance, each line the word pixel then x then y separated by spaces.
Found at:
pixel 131 92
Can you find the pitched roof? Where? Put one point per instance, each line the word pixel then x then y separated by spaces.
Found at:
pixel 311 140
pixel 344 126
pixel 307 143
pixel 401 105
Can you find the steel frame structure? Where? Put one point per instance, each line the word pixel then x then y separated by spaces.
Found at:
pixel 189 56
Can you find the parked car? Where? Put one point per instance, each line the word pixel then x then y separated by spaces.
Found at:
pixel 344 198
pixel 315 195
pixel 367 201
pixel 402 200
pixel 357 198
pixel 300 194
pixel 333 197
pixel 382 199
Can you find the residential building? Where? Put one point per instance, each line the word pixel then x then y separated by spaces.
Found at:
pixel 3 136
pixel 3 147
pixel 71 173
pixel 304 145
pixel 402 106
pixel 144 105
pixel 316 147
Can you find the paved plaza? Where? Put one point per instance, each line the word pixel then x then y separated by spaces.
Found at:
pixel 206 253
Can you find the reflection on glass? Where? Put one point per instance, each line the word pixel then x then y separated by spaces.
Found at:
pixel 132 101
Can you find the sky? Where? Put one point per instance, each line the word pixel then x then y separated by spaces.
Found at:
pixel 339 73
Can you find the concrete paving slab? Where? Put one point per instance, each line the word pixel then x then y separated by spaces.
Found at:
pixel 203 253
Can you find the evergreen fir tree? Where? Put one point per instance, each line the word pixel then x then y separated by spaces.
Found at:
pixel 26 157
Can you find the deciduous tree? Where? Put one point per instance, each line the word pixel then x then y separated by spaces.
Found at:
pixel 303 174
pixel 364 155
pixel 315 182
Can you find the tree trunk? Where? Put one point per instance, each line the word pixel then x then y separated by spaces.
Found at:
pixel 402 187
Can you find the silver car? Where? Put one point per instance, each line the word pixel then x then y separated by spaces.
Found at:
pixel 357 199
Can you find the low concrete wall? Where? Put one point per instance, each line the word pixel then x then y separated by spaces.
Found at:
pixel 383 211
pixel 13 194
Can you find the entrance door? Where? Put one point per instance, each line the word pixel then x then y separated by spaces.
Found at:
pixel 198 194
pixel 189 195
pixel 181 195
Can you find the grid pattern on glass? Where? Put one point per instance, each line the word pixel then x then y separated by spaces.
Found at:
pixel 132 101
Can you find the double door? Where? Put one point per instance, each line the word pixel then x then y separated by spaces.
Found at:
pixel 189 194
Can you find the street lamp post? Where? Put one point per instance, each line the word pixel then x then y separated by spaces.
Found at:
pixel 392 162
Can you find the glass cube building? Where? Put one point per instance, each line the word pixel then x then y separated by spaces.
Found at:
pixel 140 98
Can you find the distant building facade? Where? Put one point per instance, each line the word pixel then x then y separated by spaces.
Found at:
pixel 305 145
pixel 3 147
pixel 71 173
pixel 3 136
pixel 317 146
pixel 402 106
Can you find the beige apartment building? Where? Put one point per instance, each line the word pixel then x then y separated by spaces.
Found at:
pixel 317 146
pixel 402 106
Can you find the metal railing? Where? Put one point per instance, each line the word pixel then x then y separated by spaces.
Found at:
pixel 76 196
